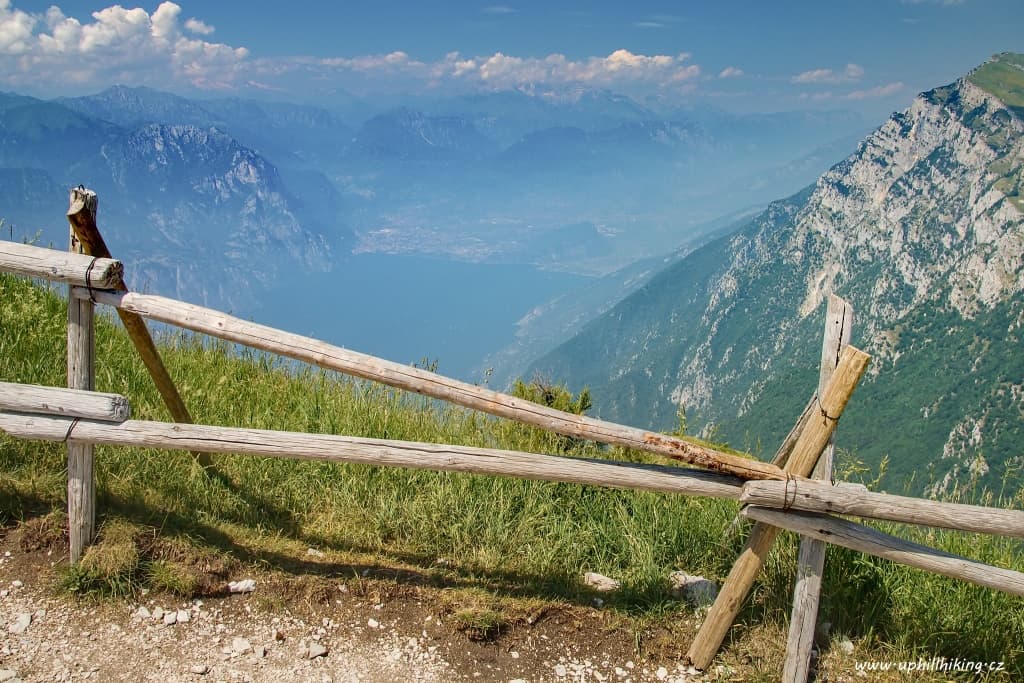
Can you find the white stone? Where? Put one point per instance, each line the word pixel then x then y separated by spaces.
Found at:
pixel 846 645
pixel 315 553
pixel 373 623
pixel 21 623
pixel 316 650
pixel 143 613
pixel 243 586
pixel 170 618
pixel 696 590
pixel 561 671
pixel 600 582
pixel 17 584
pixel 661 674
pixel 7 674
pixel 199 669
pixel 240 646
pixel 184 616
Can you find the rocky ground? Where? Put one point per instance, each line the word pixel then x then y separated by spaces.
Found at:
pixel 289 628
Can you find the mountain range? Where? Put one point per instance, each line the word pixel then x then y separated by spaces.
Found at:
pixel 218 200
pixel 922 229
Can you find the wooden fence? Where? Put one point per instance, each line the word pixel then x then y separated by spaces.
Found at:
pixel 785 494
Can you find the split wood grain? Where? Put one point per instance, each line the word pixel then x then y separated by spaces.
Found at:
pixel 30 398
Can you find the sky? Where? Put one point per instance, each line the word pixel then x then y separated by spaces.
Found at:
pixel 869 56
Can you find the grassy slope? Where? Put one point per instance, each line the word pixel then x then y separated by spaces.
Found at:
pixel 514 538
pixel 1004 78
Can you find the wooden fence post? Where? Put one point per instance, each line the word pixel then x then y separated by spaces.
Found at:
pixel 81 367
pixel 811 563
pixel 804 456
pixel 82 216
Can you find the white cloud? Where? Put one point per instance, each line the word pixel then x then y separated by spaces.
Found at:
pixel 15 30
pixel 500 71
pixel 117 45
pixel 852 72
pixel 880 91
pixel 498 9
pixel 196 26
pixel 730 72
pixel 132 46
pixel 649 24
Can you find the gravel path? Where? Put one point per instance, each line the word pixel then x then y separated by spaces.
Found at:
pixel 51 637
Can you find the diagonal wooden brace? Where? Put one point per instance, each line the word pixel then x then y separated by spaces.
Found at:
pixel 808 448
pixel 82 217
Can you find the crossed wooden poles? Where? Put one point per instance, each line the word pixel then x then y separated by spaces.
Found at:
pixel 777 495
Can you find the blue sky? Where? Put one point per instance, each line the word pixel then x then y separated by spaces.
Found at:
pixel 871 55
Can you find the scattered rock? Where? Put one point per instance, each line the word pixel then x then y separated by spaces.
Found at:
pixel 846 645
pixel 561 671
pixel 20 624
pixel 696 590
pixel 276 635
pixel 243 586
pixel 241 646
pixel 313 552
pixel 199 669
pixel 170 618
pixel 600 582
pixel 373 623
pixel 315 650
pixel 184 616
pixel 260 651
pixel 7 675
pixel 158 613
pixel 143 613
pixel 661 674
pixel 16 584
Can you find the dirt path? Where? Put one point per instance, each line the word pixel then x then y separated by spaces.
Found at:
pixel 374 637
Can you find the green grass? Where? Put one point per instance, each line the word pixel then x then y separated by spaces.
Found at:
pixel 162 517
pixel 1003 77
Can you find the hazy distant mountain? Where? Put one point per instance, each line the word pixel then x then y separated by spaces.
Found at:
pixel 297 135
pixel 407 135
pixel 922 229
pixel 174 198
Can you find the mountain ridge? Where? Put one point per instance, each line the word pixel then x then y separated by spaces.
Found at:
pixel 922 229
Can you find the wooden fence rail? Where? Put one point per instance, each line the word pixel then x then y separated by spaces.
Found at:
pixel 322 354
pixel 472 460
pixel 867 540
pixel 61 266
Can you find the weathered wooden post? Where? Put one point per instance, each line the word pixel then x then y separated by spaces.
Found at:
pixel 806 451
pixel 81 370
pixel 811 563
pixel 82 216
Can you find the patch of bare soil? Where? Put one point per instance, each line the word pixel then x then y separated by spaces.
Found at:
pixel 380 628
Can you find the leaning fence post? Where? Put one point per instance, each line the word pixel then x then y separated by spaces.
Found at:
pixel 804 456
pixel 82 216
pixel 81 365
pixel 807 591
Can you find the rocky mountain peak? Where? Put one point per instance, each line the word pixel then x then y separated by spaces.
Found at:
pixel 922 229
